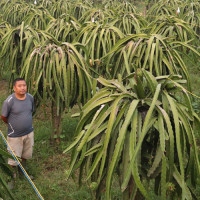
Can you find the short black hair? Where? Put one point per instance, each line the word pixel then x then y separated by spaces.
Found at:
pixel 18 79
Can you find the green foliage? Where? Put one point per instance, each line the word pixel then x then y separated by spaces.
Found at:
pixel 61 70
pixel 187 11
pixel 138 129
pixel 20 41
pixel 162 8
pixel 62 47
pixel 191 12
pixel 157 53
pixel 6 169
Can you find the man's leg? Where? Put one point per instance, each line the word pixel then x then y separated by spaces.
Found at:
pixel 16 145
pixel 23 163
pixel 28 142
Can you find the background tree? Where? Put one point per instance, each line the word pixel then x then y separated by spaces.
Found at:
pixel 57 75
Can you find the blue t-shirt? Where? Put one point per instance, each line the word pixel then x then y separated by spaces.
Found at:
pixel 19 114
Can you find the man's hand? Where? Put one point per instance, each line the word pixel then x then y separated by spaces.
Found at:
pixel 5 119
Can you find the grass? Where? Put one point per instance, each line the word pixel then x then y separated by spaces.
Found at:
pixel 48 167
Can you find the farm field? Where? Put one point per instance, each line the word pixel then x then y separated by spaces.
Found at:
pixel 116 89
pixel 48 165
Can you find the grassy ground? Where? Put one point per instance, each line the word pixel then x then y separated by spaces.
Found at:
pixel 49 164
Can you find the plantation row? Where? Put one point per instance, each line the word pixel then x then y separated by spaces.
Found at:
pixel 126 72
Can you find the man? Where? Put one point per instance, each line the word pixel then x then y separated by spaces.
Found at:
pixel 17 113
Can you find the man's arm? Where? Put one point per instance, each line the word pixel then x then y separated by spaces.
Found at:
pixel 5 119
pixel 6 109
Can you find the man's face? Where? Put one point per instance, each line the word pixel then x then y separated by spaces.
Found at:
pixel 20 87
